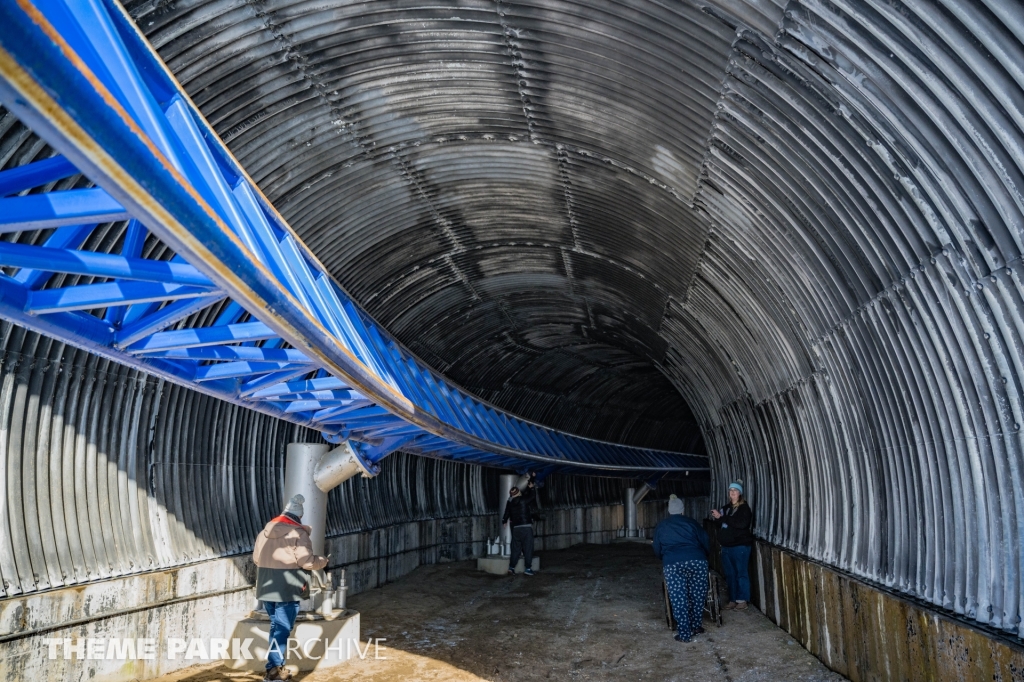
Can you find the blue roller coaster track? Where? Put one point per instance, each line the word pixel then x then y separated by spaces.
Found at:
pixel 286 339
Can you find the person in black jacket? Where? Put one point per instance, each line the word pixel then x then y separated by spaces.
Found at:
pixel 517 510
pixel 682 546
pixel 734 522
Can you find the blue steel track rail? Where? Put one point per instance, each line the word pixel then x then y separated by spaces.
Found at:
pixel 286 339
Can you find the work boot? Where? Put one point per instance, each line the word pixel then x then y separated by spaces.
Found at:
pixel 730 606
pixel 278 673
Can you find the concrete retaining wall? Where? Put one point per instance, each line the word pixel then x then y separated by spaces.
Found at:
pixel 869 634
pixel 186 602
pixel 389 553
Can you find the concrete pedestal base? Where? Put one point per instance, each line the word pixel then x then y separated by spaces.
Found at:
pixel 498 565
pixel 314 644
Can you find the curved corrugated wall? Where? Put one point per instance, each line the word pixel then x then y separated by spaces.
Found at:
pixel 108 472
pixel 402 146
pixel 800 223
pixel 864 187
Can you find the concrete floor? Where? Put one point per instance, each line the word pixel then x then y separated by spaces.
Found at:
pixel 595 612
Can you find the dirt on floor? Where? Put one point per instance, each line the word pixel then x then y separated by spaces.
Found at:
pixel 593 612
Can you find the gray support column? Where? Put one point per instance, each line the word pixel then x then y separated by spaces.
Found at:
pixel 300 465
pixel 339 465
pixel 505 483
pixel 641 492
pixel 629 513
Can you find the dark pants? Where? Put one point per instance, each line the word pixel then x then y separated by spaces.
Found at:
pixel 687 583
pixel 735 561
pixel 282 619
pixel 522 542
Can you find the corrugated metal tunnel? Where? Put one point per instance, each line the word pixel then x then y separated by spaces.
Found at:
pixel 786 234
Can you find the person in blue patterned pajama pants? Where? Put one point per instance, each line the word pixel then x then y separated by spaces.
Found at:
pixel 682 545
pixel 687 583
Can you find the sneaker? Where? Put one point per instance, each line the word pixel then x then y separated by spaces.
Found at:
pixel 277 673
pixel 730 606
pixel 740 605
pixel 511 571
pixel 680 638
pixel 528 571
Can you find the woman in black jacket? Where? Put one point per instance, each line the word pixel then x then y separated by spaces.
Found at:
pixel 734 521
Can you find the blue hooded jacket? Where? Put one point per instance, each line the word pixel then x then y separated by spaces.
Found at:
pixel 680 538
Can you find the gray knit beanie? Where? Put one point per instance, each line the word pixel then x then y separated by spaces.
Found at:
pixel 675 505
pixel 294 506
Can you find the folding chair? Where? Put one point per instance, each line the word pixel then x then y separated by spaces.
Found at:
pixel 713 605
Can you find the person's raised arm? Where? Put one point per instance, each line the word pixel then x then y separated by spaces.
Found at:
pixel 302 550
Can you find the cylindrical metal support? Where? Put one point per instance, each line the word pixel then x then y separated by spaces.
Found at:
pixel 641 493
pixel 341 591
pixel 300 463
pixel 629 513
pixel 327 606
pixel 505 483
pixel 339 465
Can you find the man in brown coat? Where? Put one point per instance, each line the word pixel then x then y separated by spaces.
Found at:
pixel 283 553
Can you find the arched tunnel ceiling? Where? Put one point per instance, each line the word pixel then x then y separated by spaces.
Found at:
pixel 804 219
pixel 500 186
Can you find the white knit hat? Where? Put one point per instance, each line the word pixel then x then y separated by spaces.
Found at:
pixel 294 506
pixel 675 505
